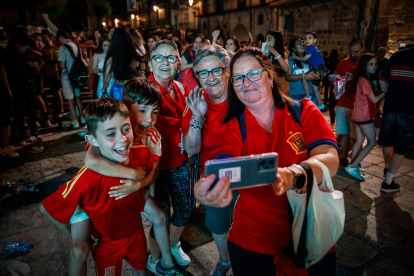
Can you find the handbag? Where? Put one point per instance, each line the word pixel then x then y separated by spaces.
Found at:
pixel 318 219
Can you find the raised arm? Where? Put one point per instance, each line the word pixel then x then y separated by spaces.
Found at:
pixel 215 34
pixel 53 29
pixel 96 162
pixel 305 58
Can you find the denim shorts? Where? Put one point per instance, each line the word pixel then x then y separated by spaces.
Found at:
pixel 397 130
pixel 344 122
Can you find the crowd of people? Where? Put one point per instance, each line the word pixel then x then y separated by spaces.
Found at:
pixel 160 101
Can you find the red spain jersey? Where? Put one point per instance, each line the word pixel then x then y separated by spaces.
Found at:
pixel 261 218
pixel 347 65
pixel 169 123
pixel 212 130
pixel 112 219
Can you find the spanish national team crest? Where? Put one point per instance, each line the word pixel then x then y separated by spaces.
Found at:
pixel 297 142
pixel 110 271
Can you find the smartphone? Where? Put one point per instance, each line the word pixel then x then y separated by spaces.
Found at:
pixel 245 171
pixel 265 47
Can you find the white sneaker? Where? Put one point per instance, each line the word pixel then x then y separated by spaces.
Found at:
pixel 152 265
pixel 180 257
pixel 355 172
pixel 7 151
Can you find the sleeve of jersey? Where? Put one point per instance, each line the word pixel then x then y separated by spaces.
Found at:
pixel 154 144
pixel 385 73
pixel 315 128
pixel 62 204
pixel 231 141
pixel 339 69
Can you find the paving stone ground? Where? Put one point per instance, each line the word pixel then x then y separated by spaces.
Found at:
pixel 378 237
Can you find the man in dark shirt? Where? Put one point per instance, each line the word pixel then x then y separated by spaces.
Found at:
pixel 21 81
pixel 397 126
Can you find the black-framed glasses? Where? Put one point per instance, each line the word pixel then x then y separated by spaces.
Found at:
pixel 161 58
pixel 252 76
pixel 216 72
pixel 353 53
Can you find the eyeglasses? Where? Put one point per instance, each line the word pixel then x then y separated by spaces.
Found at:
pixel 354 53
pixel 161 58
pixel 216 72
pixel 252 76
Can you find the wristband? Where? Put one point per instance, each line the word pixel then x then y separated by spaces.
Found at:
pixel 277 57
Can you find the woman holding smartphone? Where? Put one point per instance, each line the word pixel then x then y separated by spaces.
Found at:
pixel 260 229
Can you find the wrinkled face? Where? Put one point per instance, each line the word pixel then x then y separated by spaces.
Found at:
pixel 230 46
pixel 309 40
pixel 299 46
pixel 143 117
pixel 214 86
pixel 271 40
pixel 114 138
pixel 220 41
pixel 355 52
pixel 105 46
pixel 151 43
pixel 164 70
pixel 372 66
pixel 256 93
pixel 198 43
pixel 97 34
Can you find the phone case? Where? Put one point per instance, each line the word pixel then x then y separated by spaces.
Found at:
pixel 245 171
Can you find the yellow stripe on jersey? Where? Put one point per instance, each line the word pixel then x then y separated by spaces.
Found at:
pixel 137 146
pixel 73 182
pixel 185 110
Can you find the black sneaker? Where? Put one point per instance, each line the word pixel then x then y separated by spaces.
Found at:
pixel 174 269
pixel 385 172
pixel 393 187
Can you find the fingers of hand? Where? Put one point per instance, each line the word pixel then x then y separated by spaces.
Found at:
pixel 217 194
pixel 202 186
pixel 122 196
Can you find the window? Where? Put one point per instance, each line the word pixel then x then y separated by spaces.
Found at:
pixel 288 22
pixel 260 19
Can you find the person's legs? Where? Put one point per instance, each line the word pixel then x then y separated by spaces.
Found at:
pixel 315 89
pixel 360 138
pixel 136 272
pixel 325 267
pixel 79 103
pixel 332 105
pixel 72 110
pixel 19 111
pixel 30 106
pixel 367 131
pixel 81 241
pixel 306 88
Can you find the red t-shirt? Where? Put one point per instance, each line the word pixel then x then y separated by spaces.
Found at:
pixel 112 219
pixel 212 130
pixel 169 123
pixel 261 219
pixel 364 109
pixel 350 66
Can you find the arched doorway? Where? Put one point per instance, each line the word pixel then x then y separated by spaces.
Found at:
pixel 259 37
pixel 241 33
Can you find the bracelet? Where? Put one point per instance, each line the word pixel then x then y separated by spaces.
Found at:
pixel 196 126
pixel 194 121
pixel 277 57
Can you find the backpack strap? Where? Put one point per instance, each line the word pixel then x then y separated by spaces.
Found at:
pixel 242 124
pixel 71 51
pixel 295 109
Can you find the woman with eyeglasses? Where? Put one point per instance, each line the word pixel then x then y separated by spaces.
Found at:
pixel 203 129
pixel 260 230
pixel 174 175
pixel 121 62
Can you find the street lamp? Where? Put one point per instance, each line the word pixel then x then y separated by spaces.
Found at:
pixel 103 24
pixel 132 16
pixel 155 8
pixel 190 2
pixel 116 22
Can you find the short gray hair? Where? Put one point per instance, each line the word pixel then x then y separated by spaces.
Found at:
pixel 211 50
pixel 166 42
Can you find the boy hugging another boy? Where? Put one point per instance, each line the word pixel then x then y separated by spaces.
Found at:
pixel 315 60
pixel 116 221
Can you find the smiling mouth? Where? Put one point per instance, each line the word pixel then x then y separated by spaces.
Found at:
pixel 143 128
pixel 123 151
pixel 213 84
pixel 165 69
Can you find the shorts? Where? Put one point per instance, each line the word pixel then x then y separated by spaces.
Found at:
pixel 68 91
pixel 320 68
pixel 219 220
pixel 108 254
pixel 370 121
pixel 78 216
pixel 344 122
pixel 397 130
pixel 6 111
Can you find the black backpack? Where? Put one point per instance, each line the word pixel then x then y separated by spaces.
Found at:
pixel 78 75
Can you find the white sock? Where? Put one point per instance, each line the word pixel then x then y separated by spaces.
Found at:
pixel 389 178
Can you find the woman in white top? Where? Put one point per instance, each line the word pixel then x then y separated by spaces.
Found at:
pixel 99 62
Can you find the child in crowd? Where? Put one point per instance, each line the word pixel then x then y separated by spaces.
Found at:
pixel 117 222
pixel 363 112
pixel 315 60
pixel 143 100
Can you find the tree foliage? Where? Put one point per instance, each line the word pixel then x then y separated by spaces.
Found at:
pixel 74 13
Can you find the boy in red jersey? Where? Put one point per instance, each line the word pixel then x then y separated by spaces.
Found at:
pixel 118 222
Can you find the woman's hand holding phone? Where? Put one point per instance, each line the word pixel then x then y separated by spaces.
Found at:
pixel 220 196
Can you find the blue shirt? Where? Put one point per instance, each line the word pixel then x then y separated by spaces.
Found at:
pixel 316 56
pixel 296 90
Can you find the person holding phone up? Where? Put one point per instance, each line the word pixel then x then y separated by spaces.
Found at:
pixel 260 229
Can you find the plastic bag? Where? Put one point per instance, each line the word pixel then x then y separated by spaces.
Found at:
pixel 339 86
pixel 325 217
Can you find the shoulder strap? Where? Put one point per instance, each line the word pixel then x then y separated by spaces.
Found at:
pixel 70 51
pixel 242 124
pixel 181 87
pixel 295 109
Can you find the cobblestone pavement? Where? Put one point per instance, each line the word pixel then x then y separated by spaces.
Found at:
pixel 378 237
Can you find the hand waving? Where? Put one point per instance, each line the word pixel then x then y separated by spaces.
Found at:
pixel 216 34
pixel 197 103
